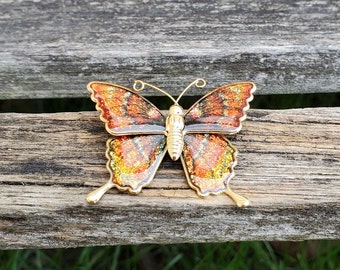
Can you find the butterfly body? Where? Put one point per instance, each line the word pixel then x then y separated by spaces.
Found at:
pixel 174 131
pixel 142 135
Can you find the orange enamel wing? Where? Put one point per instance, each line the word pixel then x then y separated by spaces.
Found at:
pixel 125 112
pixel 221 110
pixel 134 160
pixel 208 160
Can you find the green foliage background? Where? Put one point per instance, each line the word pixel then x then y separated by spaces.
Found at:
pixel 310 255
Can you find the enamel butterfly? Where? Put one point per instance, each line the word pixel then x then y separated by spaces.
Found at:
pixel 142 135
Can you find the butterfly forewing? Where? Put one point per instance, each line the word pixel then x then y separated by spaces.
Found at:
pixel 208 160
pixel 134 160
pixel 220 111
pixel 125 112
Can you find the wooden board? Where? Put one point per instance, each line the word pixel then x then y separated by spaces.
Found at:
pixel 288 166
pixel 53 49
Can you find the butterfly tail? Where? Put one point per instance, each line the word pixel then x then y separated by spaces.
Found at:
pixel 237 198
pixel 94 196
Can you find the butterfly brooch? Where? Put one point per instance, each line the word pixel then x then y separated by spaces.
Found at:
pixel 142 135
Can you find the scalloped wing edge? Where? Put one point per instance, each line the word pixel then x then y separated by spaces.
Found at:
pixel 141 131
pixel 242 118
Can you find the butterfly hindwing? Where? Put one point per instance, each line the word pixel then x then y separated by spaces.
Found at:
pixel 124 111
pixel 221 110
pixel 134 160
pixel 208 161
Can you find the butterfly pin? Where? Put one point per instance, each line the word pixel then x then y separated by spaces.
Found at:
pixel 142 135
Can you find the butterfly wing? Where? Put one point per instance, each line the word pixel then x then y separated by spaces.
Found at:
pixel 134 160
pixel 138 146
pixel 132 163
pixel 220 111
pixel 208 157
pixel 124 112
pixel 208 161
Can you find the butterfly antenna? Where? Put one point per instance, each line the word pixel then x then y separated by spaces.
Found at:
pixel 199 83
pixel 140 85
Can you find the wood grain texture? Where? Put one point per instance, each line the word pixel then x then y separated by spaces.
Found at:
pixel 54 48
pixel 288 166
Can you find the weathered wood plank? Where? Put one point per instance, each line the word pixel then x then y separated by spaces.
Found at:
pixel 288 167
pixel 53 49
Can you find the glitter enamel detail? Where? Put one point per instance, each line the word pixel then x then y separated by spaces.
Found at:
pixel 133 160
pixel 125 112
pixel 221 110
pixel 209 160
